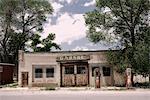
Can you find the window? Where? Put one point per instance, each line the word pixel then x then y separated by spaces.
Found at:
pixel 38 72
pixel 69 70
pixel 81 70
pixel 93 68
pixel 106 71
pixel 49 72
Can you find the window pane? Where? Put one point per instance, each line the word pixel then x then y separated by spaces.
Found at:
pixel 106 71
pixel 49 72
pixel 81 70
pixel 38 73
pixel 69 70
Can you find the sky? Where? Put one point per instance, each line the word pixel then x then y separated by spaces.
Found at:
pixel 67 22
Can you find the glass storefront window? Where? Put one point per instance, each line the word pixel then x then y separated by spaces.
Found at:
pixel 49 72
pixel 38 72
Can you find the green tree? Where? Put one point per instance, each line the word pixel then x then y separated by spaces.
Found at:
pixel 46 44
pixel 124 21
pixel 20 19
pixel 7 8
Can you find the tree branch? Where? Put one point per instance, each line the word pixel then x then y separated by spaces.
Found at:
pixel 139 11
pixel 123 16
pixel 31 28
pixel 29 19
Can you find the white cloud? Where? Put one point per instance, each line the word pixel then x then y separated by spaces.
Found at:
pixel 89 3
pixel 70 42
pixel 67 28
pixel 69 1
pixel 56 7
pixel 90 44
pixel 82 48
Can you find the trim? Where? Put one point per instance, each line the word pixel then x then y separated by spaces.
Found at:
pixel 60 74
pixel 88 74
pixel 5 64
pixel 71 51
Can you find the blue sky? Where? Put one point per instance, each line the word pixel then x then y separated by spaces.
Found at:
pixel 67 22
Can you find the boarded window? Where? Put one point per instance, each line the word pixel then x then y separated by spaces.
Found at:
pixel 106 71
pixel 49 72
pixel 81 70
pixel 38 72
pixel 69 70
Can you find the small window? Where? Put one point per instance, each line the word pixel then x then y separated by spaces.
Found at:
pixel 38 72
pixel 106 71
pixel 81 70
pixel 93 68
pixel 49 72
pixel 69 70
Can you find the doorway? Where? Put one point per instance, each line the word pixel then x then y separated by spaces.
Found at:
pixel 24 79
pixel 74 74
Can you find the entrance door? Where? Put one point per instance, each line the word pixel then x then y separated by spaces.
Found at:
pixel 74 75
pixel 68 75
pixel 82 75
pixel 24 79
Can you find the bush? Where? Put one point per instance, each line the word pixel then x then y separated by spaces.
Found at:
pixel 12 85
pixel 50 88
pixel 142 85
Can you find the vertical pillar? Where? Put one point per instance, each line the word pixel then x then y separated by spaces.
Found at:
pixel 20 65
pixel 128 78
pixel 75 74
pixel 97 78
pixel 58 74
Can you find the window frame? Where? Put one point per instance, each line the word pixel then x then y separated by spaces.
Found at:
pixel 81 69
pixel 51 74
pixel 106 71
pixel 69 68
pixel 38 75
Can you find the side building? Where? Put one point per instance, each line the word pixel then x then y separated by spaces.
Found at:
pixel 6 73
pixel 66 68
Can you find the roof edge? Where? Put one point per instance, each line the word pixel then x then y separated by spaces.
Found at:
pixel 72 51
pixel 5 64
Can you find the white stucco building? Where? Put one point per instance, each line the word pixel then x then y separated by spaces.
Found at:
pixel 67 68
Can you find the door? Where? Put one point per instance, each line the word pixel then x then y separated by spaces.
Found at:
pixel 68 75
pixel 74 75
pixel 24 79
pixel 82 75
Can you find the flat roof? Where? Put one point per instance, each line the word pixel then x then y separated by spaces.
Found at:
pixel 72 51
pixel 5 64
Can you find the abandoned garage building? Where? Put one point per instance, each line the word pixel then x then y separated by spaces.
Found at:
pixel 67 68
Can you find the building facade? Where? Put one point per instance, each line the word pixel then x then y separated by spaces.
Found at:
pixel 67 68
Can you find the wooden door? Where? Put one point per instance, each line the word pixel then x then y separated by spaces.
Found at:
pixel 68 75
pixel 82 75
pixel 24 79
pixel 75 75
